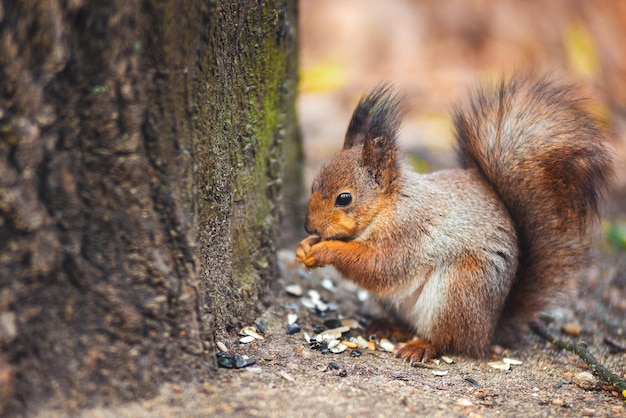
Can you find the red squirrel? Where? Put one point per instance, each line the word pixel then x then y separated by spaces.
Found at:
pixel 468 255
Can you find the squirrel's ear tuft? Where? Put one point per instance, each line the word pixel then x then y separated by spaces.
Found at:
pixel 378 114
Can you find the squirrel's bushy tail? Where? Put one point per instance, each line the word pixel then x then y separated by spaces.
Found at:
pixel 547 159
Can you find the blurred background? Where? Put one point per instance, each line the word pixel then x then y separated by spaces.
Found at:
pixel 435 51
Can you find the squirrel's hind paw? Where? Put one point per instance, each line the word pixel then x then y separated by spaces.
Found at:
pixel 417 351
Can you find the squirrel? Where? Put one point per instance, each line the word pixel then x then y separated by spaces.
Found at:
pixel 465 257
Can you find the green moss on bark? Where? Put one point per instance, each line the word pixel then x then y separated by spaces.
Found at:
pixel 251 84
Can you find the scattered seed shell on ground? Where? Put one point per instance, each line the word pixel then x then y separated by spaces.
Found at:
pixel 371 345
pixel 221 346
pixel 294 290
pixel 447 359
pixel 286 376
pixel 308 303
pixel 349 344
pixel 291 318
pixel 323 307
pixel 333 343
pixel 440 372
pixel 512 361
pixel 247 339
pixel 387 345
pixel 339 348
pixel 585 380
pixel 333 334
pixel 352 323
pixel 571 328
pixel 362 295
pixel 464 402
pixel 362 343
pixel 328 285
pixel 314 295
pixel 252 332
pixel 499 365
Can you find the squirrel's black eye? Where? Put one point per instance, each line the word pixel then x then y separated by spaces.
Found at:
pixel 344 199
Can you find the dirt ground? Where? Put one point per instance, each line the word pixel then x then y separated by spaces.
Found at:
pixel 342 56
pixel 289 379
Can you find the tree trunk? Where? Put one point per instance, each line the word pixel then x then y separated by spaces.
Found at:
pixel 141 157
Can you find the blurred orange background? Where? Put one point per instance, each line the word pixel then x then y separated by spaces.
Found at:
pixel 435 51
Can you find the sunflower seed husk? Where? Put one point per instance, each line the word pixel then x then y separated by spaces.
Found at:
pixel 247 339
pixel 499 365
pixel 294 290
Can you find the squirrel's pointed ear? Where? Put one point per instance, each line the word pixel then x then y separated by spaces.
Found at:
pixel 377 114
pixel 380 159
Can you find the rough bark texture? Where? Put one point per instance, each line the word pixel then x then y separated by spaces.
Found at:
pixel 141 149
pixel 241 165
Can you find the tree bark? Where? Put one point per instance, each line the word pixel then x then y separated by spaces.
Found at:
pixel 142 148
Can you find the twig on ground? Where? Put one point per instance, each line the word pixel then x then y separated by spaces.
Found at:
pixel 581 351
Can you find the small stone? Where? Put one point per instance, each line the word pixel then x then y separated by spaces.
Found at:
pixel 332 323
pixel 240 362
pixel 225 362
pixel 585 380
pixel 318 328
pixel 558 402
pixel 293 329
pixel 261 326
pixel 571 328
pixel 356 353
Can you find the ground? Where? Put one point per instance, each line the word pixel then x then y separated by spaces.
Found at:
pixel 290 379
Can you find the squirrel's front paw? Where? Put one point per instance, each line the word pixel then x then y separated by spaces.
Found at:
pixel 303 253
